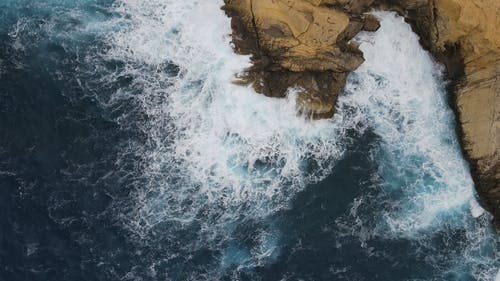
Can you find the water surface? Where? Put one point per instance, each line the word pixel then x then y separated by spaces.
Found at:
pixel 126 153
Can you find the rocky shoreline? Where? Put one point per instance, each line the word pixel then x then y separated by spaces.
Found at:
pixel 461 35
pixel 305 45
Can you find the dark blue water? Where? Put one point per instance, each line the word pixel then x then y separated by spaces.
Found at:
pixel 90 189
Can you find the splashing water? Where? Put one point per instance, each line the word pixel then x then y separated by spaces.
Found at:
pixel 221 155
pixel 226 144
pixel 425 184
pixel 405 102
pixel 218 170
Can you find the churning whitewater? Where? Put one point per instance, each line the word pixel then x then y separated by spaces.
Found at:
pixel 204 179
pixel 240 156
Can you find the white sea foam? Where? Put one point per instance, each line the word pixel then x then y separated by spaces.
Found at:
pixel 401 91
pixel 225 141
pixel 220 154
pixel 476 209
pixel 425 182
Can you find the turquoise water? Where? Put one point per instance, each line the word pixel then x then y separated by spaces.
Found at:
pixel 128 154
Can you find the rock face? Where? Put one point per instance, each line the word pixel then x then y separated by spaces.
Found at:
pixel 301 45
pixel 474 24
pixel 304 44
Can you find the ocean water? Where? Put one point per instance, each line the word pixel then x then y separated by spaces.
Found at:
pixel 126 153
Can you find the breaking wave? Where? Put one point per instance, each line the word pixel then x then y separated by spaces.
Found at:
pixel 215 167
pixel 212 142
pixel 219 156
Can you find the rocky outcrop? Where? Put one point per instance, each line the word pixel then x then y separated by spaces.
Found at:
pixel 473 26
pixel 304 44
pixel 301 45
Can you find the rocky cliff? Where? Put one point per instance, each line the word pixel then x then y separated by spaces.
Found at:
pixel 304 45
pixel 300 44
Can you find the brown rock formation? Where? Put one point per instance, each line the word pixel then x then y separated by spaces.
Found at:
pixel 301 44
pixel 304 44
pixel 474 26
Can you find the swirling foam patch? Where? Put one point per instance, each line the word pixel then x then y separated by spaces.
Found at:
pixel 424 183
pixel 219 155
